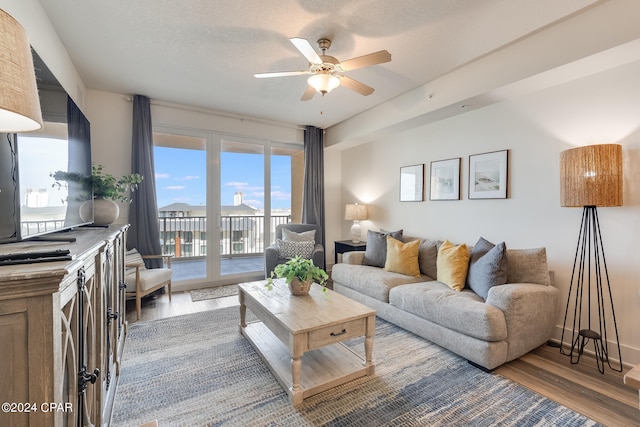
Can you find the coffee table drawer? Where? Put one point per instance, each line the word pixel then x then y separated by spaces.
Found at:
pixel 337 333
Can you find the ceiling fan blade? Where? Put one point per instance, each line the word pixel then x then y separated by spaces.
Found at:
pixel 280 74
pixel 356 86
pixel 306 49
pixel 308 94
pixel 379 57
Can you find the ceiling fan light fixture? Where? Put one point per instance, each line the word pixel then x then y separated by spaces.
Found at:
pixel 323 83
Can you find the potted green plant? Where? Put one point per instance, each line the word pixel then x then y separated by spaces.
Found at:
pixel 107 189
pixel 106 186
pixel 299 273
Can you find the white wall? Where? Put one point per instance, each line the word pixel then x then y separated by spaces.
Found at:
pixel 535 128
pixel 334 210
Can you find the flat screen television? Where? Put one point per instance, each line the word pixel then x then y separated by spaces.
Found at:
pixel 44 175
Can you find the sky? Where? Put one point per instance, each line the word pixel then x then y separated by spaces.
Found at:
pixel 181 178
pixel 42 156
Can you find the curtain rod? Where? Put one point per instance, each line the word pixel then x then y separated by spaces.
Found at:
pixel 218 113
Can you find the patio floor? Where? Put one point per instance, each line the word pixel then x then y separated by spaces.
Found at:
pixel 186 269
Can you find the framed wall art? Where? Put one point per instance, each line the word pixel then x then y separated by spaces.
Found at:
pixel 445 180
pixel 488 175
pixel 411 183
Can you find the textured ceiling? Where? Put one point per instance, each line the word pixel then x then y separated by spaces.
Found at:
pixel 203 53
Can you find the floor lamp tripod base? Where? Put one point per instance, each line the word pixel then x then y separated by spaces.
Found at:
pixel 584 336
pixel 590 283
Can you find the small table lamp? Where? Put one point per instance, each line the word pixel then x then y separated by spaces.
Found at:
pixel 590 176
pixel 19 102
pixel 355 213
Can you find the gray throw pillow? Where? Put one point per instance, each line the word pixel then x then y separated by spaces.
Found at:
pixel 488 267
pixel 376 253
pixel 292 236
pixel 428 257
pixel 528 266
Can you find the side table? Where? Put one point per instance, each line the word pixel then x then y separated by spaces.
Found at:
pixel 342 246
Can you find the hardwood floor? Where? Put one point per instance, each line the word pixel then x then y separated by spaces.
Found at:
pixel 601 397
pixel 581 387
pixel 161 307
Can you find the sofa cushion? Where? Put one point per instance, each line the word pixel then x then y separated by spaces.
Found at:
pixel 528 266
pixel 288 250
pixel 371 281
pixel 376 253
pixel 453 263
pixel 402 257
pixel 292 236
pixel 463 312
pixel 488 265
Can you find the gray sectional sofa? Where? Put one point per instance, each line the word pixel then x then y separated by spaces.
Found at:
pixel 515 317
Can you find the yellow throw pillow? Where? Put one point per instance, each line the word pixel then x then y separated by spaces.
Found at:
pixel 402 257
pixel 453 264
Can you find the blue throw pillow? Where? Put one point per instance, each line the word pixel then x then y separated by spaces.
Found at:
pixel 488 267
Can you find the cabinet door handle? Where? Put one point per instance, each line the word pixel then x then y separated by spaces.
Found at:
pixel 333 334
pixel 85 377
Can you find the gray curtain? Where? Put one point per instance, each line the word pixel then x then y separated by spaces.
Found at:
pixel 143 212
pixel 313 191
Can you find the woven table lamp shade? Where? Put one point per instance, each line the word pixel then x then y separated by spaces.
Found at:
pixel 19 102
pixel 591 176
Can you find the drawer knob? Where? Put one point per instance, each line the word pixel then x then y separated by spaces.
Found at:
pixel 333 334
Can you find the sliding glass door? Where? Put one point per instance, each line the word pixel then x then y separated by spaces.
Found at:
pixel 181 188
pixel 220 199
pixel 242 200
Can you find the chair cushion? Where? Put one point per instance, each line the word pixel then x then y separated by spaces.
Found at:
pixel 149 279
pixel 288 250
pixel 133 257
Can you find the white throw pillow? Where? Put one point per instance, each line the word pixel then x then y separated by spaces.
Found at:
pixel 292 236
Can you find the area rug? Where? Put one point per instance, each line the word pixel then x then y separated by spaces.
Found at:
pixel 215 292
pixel 197 370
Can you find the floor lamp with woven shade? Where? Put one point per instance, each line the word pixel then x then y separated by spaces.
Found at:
pixel 591 177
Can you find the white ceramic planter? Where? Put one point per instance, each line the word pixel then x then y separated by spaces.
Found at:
pixel 105 211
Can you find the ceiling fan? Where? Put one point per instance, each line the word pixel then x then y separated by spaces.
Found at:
pixel 327 72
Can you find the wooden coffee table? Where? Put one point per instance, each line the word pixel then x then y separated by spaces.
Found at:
pixel 300 337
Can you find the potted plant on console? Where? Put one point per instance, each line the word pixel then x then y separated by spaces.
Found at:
pixel 107 189
pixel 299 273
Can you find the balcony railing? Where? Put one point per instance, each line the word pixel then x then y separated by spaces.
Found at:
pixel 186 237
